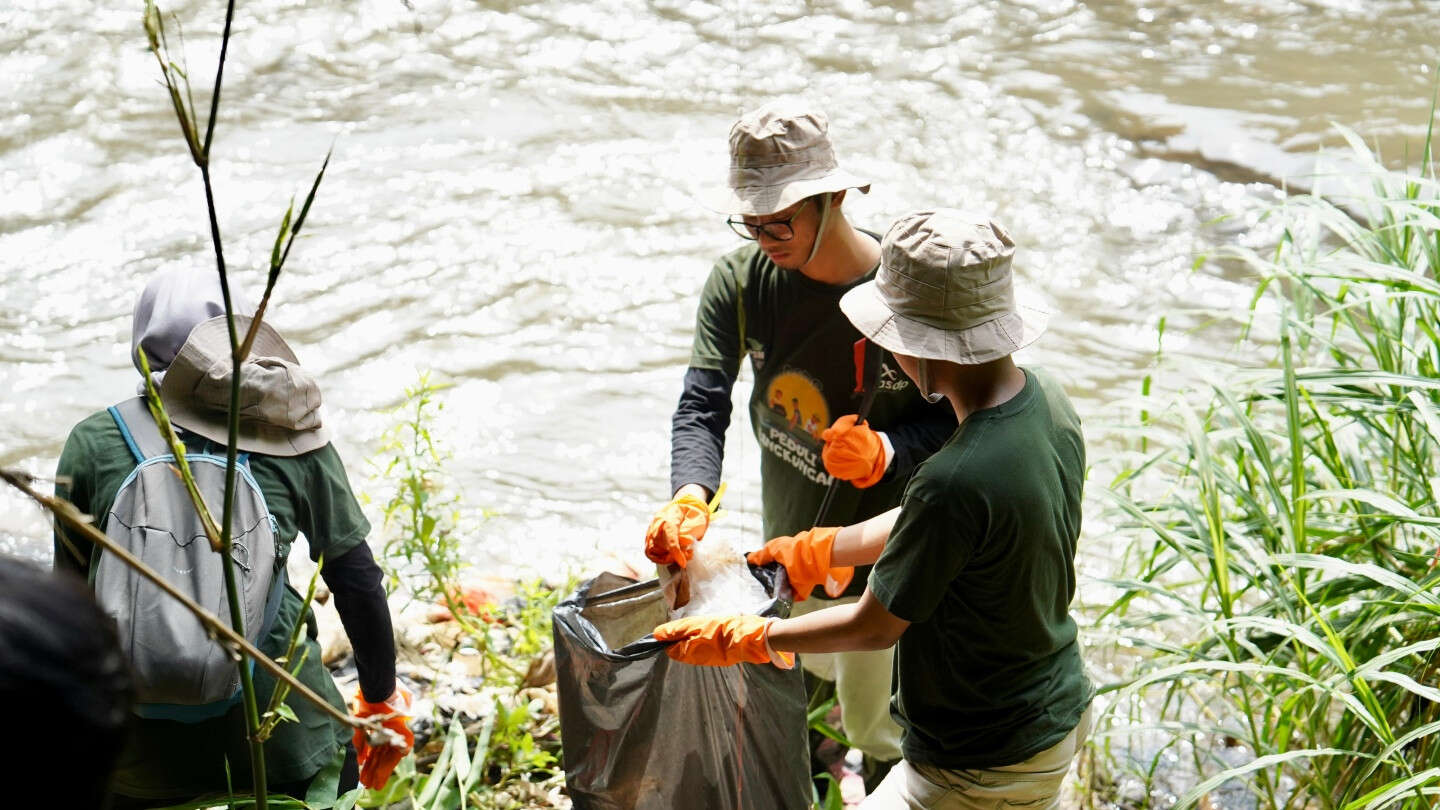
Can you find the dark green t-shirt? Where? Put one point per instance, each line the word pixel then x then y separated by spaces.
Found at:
pixel 800 347
pixel 309 493
pixel 981 561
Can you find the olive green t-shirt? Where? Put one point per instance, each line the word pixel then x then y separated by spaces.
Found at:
pixel 309 493
pixel 800 347
pixel 981 561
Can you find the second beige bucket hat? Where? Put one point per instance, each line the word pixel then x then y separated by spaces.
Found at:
pixel 945 291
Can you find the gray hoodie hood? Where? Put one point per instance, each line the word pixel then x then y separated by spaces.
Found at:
pixel 173 302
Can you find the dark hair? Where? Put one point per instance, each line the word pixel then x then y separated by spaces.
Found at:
pixel 65 688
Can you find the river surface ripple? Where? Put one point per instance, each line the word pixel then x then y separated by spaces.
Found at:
pixel 512 202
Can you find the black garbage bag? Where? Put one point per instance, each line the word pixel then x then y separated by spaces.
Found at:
pixel 641 731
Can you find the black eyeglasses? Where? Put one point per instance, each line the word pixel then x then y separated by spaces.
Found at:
pixel 780 229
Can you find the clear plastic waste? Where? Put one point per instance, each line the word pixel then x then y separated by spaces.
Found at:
pixel 721 583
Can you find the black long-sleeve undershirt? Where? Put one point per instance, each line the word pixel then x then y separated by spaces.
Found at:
pixel 697 430
pixel 357 585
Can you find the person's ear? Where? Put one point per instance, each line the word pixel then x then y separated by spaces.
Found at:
pixel 836 198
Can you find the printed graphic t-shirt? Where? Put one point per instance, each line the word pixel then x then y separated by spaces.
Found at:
pixel 982 563
pixel 800 347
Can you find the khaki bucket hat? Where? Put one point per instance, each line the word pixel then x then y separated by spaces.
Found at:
pixel 779 155
pixel 945 291
pixel 279 401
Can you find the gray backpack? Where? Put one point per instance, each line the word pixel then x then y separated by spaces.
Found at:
pixel 181 672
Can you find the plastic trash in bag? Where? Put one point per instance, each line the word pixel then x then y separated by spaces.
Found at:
pixel 720 580
pixel 642 731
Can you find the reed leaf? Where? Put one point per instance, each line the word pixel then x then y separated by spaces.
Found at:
pixel 1387 795
pixel 1369 571
pixel 1193 796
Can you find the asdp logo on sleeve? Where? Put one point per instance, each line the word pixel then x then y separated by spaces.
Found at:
pixel 891 378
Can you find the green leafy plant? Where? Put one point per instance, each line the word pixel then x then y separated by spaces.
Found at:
pixel 513 749
pixel 514 744
pixel 529 618
pixel 816 716
pixel 832 799
pixel 457 773
pixel 475 765
pixel 1279 590
pixel 424 554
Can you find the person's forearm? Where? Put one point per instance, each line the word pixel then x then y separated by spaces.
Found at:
pixel 861 543
pixel 865 625
pixel 357 585
pixel 697 437
pixel 833 629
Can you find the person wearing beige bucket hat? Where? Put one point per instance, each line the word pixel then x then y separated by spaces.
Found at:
pixel 974 572
pixel 945 292
pixel 776 302
pixel 178 754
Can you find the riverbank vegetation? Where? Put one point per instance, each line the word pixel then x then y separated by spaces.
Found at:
pixel 482 661
pixel 1277 602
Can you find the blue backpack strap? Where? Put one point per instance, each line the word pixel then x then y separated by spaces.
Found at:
pixel 125 433
pixel 139 429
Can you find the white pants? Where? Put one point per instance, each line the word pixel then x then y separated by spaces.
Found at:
pixel 1032 784
pixel 862 688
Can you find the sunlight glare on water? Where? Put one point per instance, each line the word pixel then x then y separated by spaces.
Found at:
pixel 512 201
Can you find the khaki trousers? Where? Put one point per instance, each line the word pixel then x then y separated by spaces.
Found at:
pixel 862 688
pixel 1033 784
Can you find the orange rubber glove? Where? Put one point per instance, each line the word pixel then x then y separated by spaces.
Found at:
pixel 722 641
pixel 853 452
pixel 806 557
pixel 378 760
pixel 675 529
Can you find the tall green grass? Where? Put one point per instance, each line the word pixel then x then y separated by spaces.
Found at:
pixel 1281 596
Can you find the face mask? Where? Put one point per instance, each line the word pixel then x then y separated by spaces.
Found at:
pixel 922 373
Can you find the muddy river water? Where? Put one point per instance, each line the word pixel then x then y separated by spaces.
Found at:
pixel 512 200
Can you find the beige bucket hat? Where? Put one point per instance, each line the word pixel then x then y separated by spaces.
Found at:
pixel 944 291
pixel 779 155
pixel 279 401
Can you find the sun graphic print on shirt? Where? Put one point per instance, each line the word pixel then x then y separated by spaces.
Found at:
pixel 796 416
pixel 795 398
